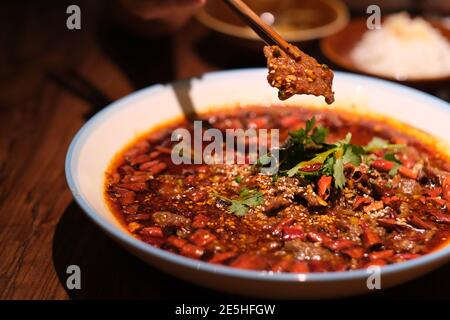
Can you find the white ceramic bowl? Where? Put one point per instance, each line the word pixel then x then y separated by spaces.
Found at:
pixel 111 129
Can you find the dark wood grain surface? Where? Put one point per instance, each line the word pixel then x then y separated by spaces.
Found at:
pixel 51 81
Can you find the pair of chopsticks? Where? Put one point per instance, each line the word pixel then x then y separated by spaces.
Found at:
pixel 75 83
pixel 264 31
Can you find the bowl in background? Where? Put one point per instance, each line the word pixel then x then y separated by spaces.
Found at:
pixel 339 46
pixel 105 134
pixel 296 21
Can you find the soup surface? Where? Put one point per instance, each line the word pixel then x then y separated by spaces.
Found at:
pixel 339 201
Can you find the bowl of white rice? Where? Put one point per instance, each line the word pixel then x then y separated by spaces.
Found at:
pixel 405 49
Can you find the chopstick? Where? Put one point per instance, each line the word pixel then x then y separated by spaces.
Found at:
pixel 264 31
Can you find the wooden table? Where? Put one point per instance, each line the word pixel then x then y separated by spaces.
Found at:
pixel 51 81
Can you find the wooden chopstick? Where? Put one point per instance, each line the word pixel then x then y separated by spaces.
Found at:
pixel 264 31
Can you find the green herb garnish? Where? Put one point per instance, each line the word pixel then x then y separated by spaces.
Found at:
pixel 310 135
pixel 331 162
pixel 338 173
pixel 248 198
pixel 391 157
pixel 380 144
pixel 394 169
pixel 318 159
pixel 397 164
pixel 306 154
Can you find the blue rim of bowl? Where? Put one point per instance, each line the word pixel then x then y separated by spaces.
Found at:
pixel 122 235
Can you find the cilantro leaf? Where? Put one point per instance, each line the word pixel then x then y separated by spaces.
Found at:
pixel 378 144
pixel 238 208
pixel 255 200
pixel 345 141
pixel 310 134
pixel 391 157
pixel 328 166
pixel 298 136
pixel 319 135
pixel 394 169
pixel 307 155
pixel 353 155
pixel 338 173
pixel 244 193
pixel 292 172
pixel 310 124
pixel 247 199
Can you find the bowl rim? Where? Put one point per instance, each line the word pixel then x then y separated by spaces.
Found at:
pixel 243 32
pixel 342 61
pixel 129 240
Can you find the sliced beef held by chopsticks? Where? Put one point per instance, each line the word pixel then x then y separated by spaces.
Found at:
pixel 302 76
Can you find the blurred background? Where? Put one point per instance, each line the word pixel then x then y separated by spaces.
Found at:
pixel 122 46
pixel 53 79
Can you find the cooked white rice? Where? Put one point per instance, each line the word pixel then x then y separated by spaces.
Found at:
pixel 404 48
